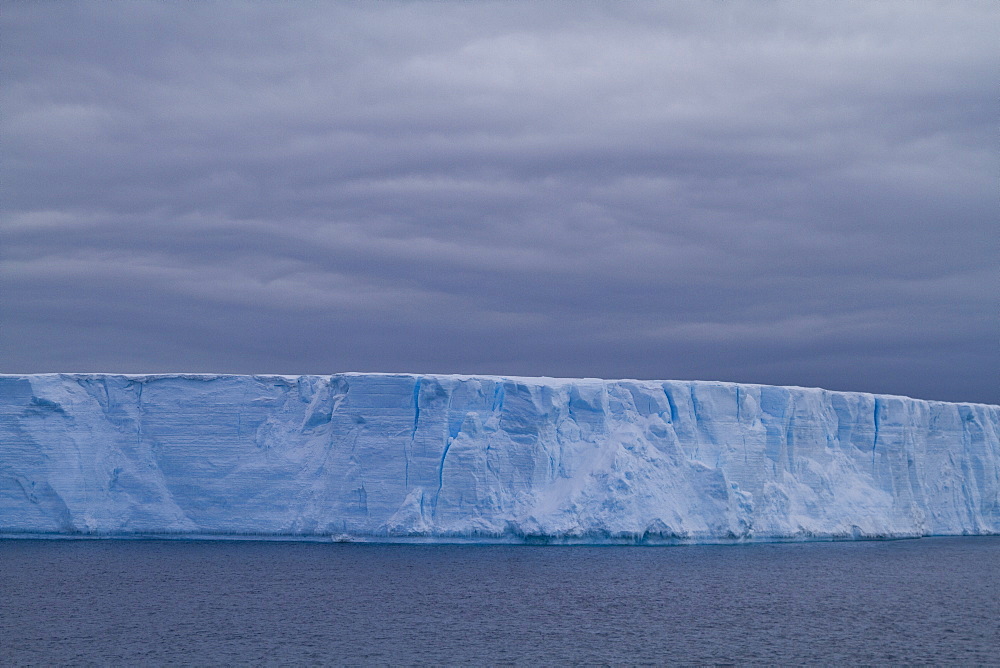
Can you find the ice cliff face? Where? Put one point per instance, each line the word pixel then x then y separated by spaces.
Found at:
pixel 487 457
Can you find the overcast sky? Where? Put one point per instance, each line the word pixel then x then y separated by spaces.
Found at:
pixel 787 193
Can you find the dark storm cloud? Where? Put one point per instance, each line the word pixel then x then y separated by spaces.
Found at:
pixel 789 193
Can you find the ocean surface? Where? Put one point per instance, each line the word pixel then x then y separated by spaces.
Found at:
pixel 130 602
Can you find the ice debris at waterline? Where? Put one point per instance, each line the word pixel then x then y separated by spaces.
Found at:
pixel 487 458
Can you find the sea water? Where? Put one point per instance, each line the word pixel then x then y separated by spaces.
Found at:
pixel 132 602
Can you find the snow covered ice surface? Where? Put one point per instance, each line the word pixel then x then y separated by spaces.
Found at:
pixel 401 456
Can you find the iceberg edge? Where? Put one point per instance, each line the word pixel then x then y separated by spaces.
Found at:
pixel 454 458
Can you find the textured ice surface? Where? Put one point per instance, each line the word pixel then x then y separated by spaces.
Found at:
pixel 444 457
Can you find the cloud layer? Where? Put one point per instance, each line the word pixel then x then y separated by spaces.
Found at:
pixel 786 193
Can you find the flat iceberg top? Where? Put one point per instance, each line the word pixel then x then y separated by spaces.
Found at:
pixel 407 456
pixel 532 380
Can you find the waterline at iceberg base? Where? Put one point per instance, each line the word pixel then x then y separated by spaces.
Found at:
pixel 453 458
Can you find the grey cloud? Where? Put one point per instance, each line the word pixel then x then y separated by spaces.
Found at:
pixel 786 193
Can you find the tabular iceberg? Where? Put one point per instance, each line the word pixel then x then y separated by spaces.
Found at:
pixel 433 457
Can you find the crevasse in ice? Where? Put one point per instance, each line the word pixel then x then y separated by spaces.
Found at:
pixel 487 458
